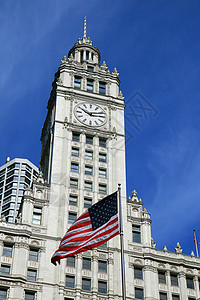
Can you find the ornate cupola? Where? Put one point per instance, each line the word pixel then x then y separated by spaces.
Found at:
pixel 84 51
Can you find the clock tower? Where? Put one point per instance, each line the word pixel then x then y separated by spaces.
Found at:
pixel 83 139
pixel 83 145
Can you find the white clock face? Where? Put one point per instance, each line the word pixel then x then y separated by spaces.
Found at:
pixel 90 114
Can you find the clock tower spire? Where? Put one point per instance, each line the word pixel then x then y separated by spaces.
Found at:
pixel 85 27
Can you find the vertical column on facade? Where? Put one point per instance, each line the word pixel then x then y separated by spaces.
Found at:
pixel 62 271
pixel 196 286
pixel 78 276
pixel 90 56
pixel 21 251
pixel 45 214
pixel 111 156
pixel 79 56
pixel 168 281
pixel 81 173
pixel 64 184
pixel 1 248
pixel 39 295
pixel 96 86
pixel 149 282
pixel 84 55
pixel 94 275
pixel 110 283
pixel 50 154
pixel 146 228
pixel 84 83
pixel 96 167
pixel 27 210
pixel 40 265
pixel 76 55
pixel 183 286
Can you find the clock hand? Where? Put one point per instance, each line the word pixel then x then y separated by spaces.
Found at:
pixel 87 112
pixel 98 114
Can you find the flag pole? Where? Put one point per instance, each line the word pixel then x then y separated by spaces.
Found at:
pixel 195 241
pixel 122 243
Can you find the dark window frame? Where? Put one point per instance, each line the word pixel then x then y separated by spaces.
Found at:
pixel 70 284
pixel 86 263
pixel 138 272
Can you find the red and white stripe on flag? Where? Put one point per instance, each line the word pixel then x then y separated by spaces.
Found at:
pixel 81 237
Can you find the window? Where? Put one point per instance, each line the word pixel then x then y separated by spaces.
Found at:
pixel 175 297
pixel 102 173
pixel 5 270
pixel 190 282
pixel 87 202
pixel 86 263
pixel 102 266
pixel 70 281
pixel 90 69
pixel 31 275
pixel 73 199
pixel 86 284
pixel 88 170
pixel 138 273
pixel 77 82
pixel 88 186
pixel 102 188
pixel 29 295
pixel 75 152
pixel 102 143
pixel 74 167
pixel 37 215
pixel 136 234
pixel 72 217
pixel 7 250
pixel 89 140
pixel 71 261
pixel 90 84
pixel 3 293
pixel 102 157
pixel 87 55
pixel 139 293
pixel 81 56
pixel 88 154
pixel 33 254
pixel 163 296
pixel 75 137
pixel 161 277
pixel 73 183
pixel 102 88
pixel 174 279
pixel 102 287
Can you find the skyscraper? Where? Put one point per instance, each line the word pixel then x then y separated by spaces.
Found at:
pixel 82 160
pixel 15 176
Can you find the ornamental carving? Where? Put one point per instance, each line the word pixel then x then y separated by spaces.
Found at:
pixel 34 243
pixel 138 261
pixel 111 261
pixel 9 238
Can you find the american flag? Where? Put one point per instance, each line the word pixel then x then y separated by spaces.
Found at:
pixel 94 227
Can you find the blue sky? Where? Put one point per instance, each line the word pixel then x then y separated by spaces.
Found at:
pixel 155 46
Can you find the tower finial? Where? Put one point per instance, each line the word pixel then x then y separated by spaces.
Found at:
pixel 85 27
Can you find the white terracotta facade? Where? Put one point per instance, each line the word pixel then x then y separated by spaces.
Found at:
pixel 80 164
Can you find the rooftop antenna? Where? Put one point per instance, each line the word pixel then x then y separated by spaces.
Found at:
pixel 85 27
